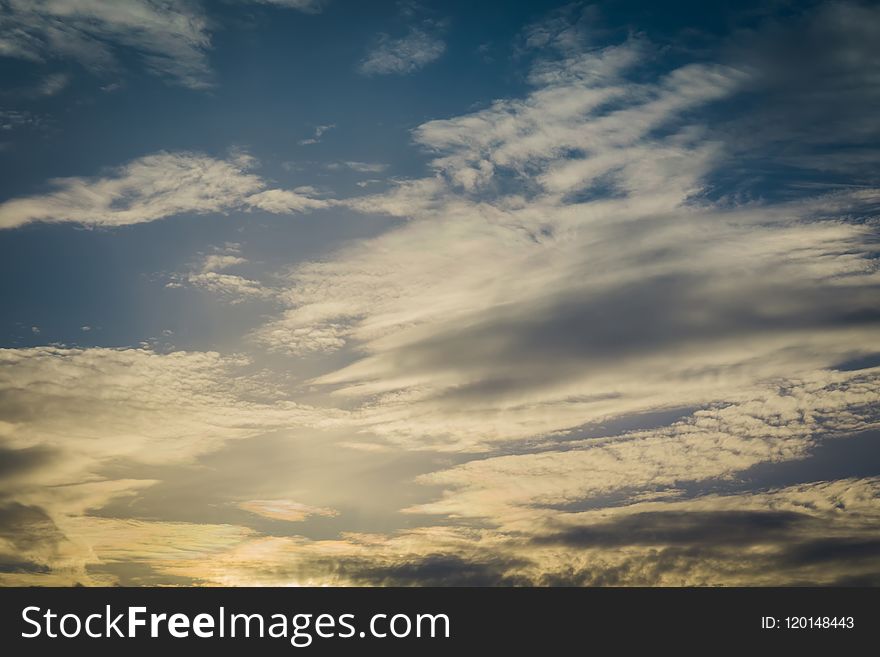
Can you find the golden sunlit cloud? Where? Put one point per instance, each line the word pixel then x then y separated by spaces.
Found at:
pixel 285 510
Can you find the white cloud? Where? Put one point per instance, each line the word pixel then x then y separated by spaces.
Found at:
pixel 211 276
pixel 772 424
pixel 154 187
pixel 237 288
pixel 404 55
pixel 223 258
pixel 283 201
pixel 359 167
pixel 558 223
pixel 560 136
pixel 146 189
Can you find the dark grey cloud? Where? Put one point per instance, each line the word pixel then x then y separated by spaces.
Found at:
pixel 28 528
pixel 865 580
pixel 797 548
pixel 685 547
pixel 17 566
pixel 685 528
pixel 829 550
pixel 534 344
pixel 19 461
pixel 32 538
pixel 439 570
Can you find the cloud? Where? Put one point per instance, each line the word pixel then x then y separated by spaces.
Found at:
pixel 72 416
pixel 598 339
pixel 434 570
pixel 306 6
pixel 49 85
pixel 359 167
pixel 154 187
pixel 819 533
pixel 211 276
pixel 146 189
pixel 223 258
pixel 171 40
pixel 581 273
pixel 285 510
pixel 319 132
pixel 14 119
pixel 404 55
pixel 154 406
pixel 29 542
pixel 53 84
pixel 559 222
pixel 237 288
pixel 283 201
pixel 562 136
pixel 440 555
pixel 775 424
pixel 123 550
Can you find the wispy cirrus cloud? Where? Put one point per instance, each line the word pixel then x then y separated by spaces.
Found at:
pixel 172 39
pixel 359 167
pixel 317 135
pixel 402 55
pixel 15 119
pixel 307 6
pixel 51 85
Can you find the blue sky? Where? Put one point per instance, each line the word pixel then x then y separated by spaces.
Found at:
pixel 304 291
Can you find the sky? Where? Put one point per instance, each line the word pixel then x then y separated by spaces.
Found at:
pixel 326 292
